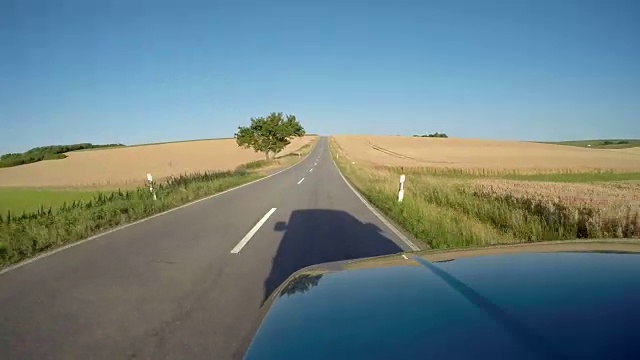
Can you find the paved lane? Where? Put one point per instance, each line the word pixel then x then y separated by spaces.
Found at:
pixel 179 285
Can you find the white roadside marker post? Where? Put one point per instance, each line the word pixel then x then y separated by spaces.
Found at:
pixel 401 190
pixel 150 181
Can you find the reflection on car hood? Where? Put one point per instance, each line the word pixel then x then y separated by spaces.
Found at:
pixel 542 301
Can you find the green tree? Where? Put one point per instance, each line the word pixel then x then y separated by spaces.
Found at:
pixel 270 134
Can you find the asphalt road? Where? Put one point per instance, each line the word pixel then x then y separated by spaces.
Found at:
pixel 189 284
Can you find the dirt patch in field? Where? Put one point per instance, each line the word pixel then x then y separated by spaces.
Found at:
pixel 130 165
pixel 483 154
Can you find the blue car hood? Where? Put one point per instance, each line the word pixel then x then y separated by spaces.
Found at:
pixel 540 301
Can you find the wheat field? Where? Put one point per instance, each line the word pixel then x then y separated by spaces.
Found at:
pixel 484 154
pixel 130 165
pixel 467 192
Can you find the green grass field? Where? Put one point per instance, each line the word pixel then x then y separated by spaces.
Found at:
pixel 19 200
pixel 601 144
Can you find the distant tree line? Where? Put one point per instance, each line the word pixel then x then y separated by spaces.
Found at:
pixel 434 135
pixel 609 142
pixel 45 153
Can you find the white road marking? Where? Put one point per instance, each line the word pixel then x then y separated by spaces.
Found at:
pixel 393 229
pixel 316 163
pixel 252 232
pixel 300 182
pixel 311 170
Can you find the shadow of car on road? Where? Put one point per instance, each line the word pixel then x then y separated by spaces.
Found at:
pixel 318 236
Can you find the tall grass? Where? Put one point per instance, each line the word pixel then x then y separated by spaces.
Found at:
pixel 442 210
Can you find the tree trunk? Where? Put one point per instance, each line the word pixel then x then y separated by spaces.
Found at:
pixel 267 154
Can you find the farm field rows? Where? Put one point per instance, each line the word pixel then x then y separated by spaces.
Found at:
pixel 470 154
pixel 128 166
pixel 462 192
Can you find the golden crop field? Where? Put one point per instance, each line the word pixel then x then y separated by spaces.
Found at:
pixel 483 154
pixel 130 165
pixel 467 192
pixel 608 196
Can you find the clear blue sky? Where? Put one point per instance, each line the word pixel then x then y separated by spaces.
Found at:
pixel 137 71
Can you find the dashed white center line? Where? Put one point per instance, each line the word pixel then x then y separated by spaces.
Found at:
pixel 311 170
pixel 300 182
pixel 252 232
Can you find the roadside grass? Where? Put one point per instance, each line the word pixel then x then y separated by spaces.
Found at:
pixel 600 143
pixel 442 211
pixel 23 235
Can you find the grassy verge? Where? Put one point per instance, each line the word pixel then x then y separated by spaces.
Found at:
pixel 23 235
pixel 447 210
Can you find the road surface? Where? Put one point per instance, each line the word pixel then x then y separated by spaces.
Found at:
pixel 188 284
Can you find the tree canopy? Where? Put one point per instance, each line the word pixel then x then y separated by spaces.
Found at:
pixel 270 134
pixel 46 153
pixel 436 134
